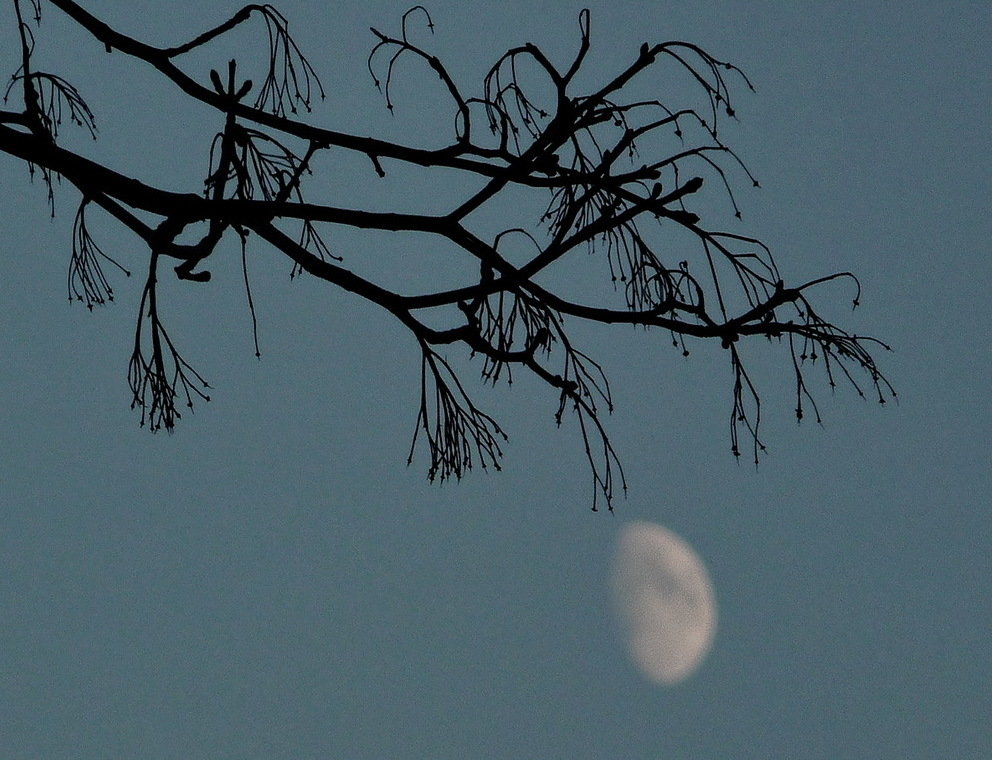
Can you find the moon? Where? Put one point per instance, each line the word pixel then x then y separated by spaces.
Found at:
pixel 664 601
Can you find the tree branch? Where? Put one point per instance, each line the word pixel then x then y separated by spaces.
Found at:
pixel 581 151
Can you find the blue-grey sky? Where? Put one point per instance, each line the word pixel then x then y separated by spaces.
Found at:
pixel 272 581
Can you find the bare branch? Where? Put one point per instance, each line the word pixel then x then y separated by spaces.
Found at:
pixel 459 436
pixel 158 380
pixel 87 282
pixel 606 193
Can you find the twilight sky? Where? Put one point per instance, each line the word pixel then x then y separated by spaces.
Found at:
pixel 272 581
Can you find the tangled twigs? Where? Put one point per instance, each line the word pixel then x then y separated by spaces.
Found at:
pixel 159 379
pixel 607 189
pixel 87 282
pixel 459 435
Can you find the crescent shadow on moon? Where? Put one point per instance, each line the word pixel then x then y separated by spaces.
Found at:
pixel 664 601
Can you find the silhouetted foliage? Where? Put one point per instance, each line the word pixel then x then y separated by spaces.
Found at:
pixel 602 197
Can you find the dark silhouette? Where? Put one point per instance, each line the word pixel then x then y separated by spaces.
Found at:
pixel 601 196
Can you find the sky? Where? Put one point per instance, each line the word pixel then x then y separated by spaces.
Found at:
pixel 272 580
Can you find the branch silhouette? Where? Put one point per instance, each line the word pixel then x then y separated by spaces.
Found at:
pixel 605 203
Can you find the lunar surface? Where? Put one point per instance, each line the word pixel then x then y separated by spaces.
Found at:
pixel 664 601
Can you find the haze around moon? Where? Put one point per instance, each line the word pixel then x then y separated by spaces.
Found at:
pixel 664 601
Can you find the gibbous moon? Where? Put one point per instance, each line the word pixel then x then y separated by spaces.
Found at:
pixel 664 601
